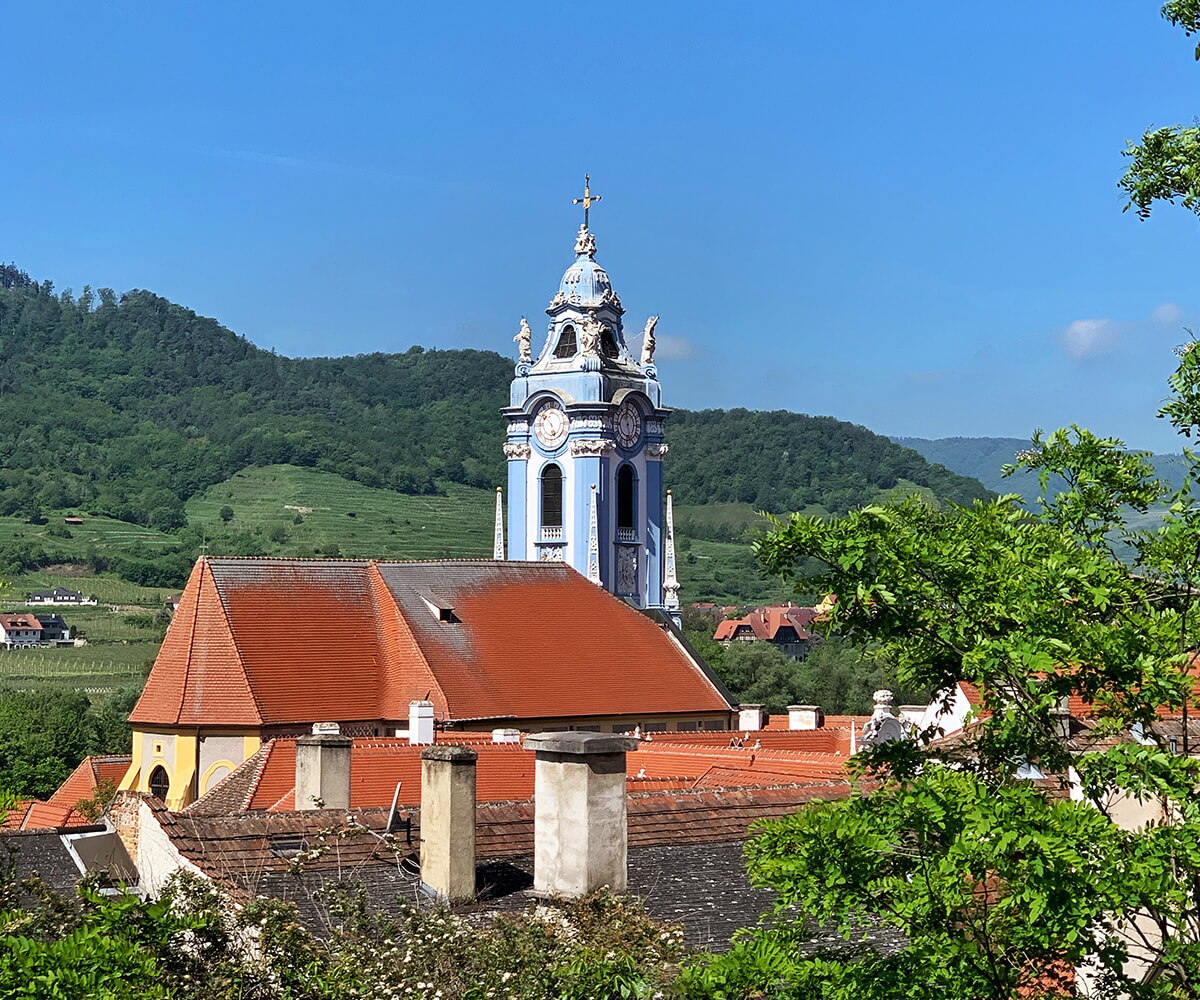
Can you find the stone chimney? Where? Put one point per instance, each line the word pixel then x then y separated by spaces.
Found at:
pixel 805 717
pixel 750 717
pixel 323 768
pixel 1060 718
pixel 448 821
pixel 506 736
pixel 420 723
pixel 580 831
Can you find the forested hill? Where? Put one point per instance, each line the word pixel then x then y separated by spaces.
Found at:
pixel 128 405
pixel 984 459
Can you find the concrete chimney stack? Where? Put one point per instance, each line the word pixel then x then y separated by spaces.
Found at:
pixel 506 736
pixel 750 717
pixel 805 717
pixel 580 835
pixel 420 723
pixel 448 821
pixel 323 768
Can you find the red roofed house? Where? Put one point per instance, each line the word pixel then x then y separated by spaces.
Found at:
pixel 782 626
pixel 262 648
pixel 19 630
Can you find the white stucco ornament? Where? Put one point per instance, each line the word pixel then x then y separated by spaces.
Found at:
pixel 648 341
pixel 524 338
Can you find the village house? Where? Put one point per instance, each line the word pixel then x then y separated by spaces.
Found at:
pixel 19 630
pixel 59 595
pixel 55 630
pixel 783 626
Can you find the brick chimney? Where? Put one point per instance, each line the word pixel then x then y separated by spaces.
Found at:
pixel 448 821
pixel 323 768
pixel 580 835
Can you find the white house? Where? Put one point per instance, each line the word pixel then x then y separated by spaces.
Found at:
pixel 19 630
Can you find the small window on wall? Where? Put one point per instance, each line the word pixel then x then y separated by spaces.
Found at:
pixel 552 497
pixel 625 490
pixel 714 724
pixel 159 782
pixel 567 347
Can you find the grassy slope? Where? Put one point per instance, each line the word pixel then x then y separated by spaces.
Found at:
pixel 384 524
pixel 392 525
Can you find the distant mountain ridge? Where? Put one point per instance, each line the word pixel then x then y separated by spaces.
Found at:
pixel 129 405
pixel 983 458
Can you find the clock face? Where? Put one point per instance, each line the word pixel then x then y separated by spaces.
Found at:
pixel 550 426
pixel 628 425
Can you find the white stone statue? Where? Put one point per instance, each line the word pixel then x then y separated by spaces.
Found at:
pixel 524 337
pixel 589 337
pixel 648 341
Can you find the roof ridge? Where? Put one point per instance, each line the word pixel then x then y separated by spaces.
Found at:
pixel 264 755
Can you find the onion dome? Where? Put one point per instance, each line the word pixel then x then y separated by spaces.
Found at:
pixel 585 282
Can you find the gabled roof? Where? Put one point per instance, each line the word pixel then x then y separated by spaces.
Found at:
pixel 21 621
pixel 92 772
pixel 276 641
pixel 765 623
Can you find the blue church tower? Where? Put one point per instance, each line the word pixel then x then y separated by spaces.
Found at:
pixel 585 442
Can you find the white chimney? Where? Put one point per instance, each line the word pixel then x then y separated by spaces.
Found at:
pixel 506 736
pixel 420 722
pixel 805 717
pixel 750 717
pixel 323 769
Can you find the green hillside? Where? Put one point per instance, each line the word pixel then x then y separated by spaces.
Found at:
pixel 984 458
pixel 144 418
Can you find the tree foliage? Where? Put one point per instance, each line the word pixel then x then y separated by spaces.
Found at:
pixel 1165 165
pixel 44 735
pixel 193 943
pixel 1000 884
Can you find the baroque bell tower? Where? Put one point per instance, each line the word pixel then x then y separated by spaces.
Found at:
pixel 585 441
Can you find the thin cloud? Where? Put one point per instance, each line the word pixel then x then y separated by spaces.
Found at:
pixel 676 348
pixel 1168 312
pixel 1086 338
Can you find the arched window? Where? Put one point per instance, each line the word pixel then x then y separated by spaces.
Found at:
pixel 552 497
pixel 626 492
pixel 567 347
pixel 608 344
pixel 160 782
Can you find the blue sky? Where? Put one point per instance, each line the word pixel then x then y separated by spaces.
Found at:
pixel 901 215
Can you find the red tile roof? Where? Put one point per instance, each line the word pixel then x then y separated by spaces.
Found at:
pixel 265 641
pixel 44 816
pixel 15 817
pixel 83 782
pixel 766 624
pixel 20 621
pixel 505 772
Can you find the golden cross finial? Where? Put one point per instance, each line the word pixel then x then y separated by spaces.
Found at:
pixel 587 199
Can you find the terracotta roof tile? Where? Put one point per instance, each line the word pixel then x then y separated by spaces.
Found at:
pixel 83 782
pixel 285 641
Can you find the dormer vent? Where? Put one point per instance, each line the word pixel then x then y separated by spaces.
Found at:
pixel 440 610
